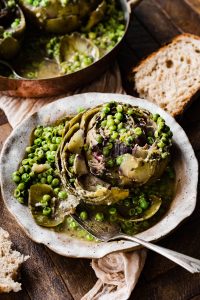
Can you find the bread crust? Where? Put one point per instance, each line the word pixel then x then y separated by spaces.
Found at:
pixel 185 103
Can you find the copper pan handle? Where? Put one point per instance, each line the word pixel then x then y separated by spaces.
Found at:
pixel 132 4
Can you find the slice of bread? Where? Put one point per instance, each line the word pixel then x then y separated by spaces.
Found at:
pixel 170 77
pixel 10 262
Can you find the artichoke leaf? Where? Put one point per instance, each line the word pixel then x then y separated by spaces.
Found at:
pixel 96 16
pixel 9 47
pixel 137 169
pixel 36 192
pixel 93 190
pixel 151 211
pixel 73 43
pixel 87 117
pixel 62 24
pixel 79 166
pixel 76 142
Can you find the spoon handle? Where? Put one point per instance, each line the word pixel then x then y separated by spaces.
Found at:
pixel 189 263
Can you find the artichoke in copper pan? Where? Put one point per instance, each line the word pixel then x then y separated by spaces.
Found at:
pixel 111 149
pixel 64 16
pixel 12 27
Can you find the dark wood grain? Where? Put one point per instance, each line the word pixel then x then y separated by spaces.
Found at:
pixel 47 275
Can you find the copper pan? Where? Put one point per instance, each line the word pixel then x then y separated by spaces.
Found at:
pixel 62 84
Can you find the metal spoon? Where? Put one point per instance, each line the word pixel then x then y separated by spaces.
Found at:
pixel 11 69
pixel 107 232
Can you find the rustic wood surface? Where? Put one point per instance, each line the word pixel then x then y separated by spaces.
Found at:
pixel 52 277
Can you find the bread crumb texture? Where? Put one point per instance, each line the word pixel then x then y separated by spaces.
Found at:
pixel 170 77
pixel 10 262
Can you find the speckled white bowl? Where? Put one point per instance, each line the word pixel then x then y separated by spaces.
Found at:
pixel 13 151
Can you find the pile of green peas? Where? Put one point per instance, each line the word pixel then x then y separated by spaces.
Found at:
pixel 40 154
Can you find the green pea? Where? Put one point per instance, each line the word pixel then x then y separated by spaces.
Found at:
pixel 113 218
pixel 53 147
pixel 44 203
pixel 130 111
pixel 89 237
pixel 106 151
pixel 129 140
pixel 31 155
pixel 53 139
pixel 112 211
pixel 38 141
pixel 114 135
pixel 120 125
pixel 150 140
pixel 29 149
pixel 27 168
pixel 99 217
pixel 110 146
pixel 55 182
pixel 138 209
pixel 83 215
pixel 110 117
pixel 164 155
pixel 38 132
pixel 50 156
pixel 72 180
pixel 43 180
pixel 117 121
pixel 123 130
pixel 110 163
pixel 62 195
pixel 119 160
pixel 131 212
pixel 113 128
pixel 58 140
pixel 160 126
pixel 119 108
pixel 138 131
pixel 99 139
pixel 73 225
pixel 127 202
pixel 56 191
pixel 110 123
pixel 119 116
pixel 71 159
pixel 155 117
pixel 161 144
pixel 46 211
pixel 25 177
pixel 25 161
pixel 17 193
pixel 46 197
pixel 49 178
pixel 106 109
pixel 21 186
pixel 21 200
pixel 16 178
pixel 45 147
pixel 103 123
pixel 144 204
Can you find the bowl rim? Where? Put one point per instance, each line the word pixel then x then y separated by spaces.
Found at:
pixel 69 246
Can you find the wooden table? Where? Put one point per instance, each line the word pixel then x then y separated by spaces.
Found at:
pixel 52 277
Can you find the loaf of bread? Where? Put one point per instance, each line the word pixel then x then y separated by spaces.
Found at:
pixel 10 262
pixel 170 77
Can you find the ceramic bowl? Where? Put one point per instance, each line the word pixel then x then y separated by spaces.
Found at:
pixel 185 163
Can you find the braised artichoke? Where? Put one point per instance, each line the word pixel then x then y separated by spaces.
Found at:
pixel 108 150
pixel 12 26
pixel 64 16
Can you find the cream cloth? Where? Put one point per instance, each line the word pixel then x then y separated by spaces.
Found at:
pixel 118 273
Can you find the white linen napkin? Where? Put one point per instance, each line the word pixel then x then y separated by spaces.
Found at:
pixel 117 273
